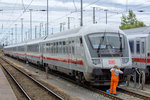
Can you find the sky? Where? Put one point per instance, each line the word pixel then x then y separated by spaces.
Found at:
pixel 11 12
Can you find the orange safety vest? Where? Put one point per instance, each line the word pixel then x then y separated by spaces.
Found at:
pixel 113 75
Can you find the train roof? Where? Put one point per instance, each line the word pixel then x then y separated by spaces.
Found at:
pixel 138 36
pixel 33 41
pixel 141 30
pixel 27 42
pixel 14 45
pixel 93 28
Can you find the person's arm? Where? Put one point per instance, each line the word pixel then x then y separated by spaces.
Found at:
pixel 120 72
pixel 111 70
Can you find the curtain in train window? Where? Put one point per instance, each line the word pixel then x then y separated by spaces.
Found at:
pixel 131 43
pixel 137 46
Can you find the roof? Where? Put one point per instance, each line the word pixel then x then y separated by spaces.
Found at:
pixel 141 30
pixel 137 36
pixel 38 40
pixel 87 29
pixel 84 30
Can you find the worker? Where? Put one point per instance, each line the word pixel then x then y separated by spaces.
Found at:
pixel 115 71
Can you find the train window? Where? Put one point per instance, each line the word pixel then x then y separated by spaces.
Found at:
pixel 131 43
pixel 46 44
pixel 66 49
pixel 69 42
pixel 59 43
pixel 137 46
pixel 72 49
pixel 46 49
pixel 56 49
pixel 52 49
pixel 64 43
pixel 81 40
pixel 69 49
pixel 142 47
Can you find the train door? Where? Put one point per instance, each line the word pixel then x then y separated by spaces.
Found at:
pixel 71 52
pixel 137 58
pixel 132 49
pixel 143 53
pixel 41 51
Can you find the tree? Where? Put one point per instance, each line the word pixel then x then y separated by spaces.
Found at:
pixel 130 21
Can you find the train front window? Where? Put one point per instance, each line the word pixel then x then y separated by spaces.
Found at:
pixel 106 41
pixel 107 44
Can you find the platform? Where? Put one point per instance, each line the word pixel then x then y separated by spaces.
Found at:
pixel 6 92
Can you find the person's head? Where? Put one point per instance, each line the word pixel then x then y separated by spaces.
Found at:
pixel 115 66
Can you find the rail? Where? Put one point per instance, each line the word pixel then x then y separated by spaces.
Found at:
pixel 31 78
pixel 100 91
pixel 133 94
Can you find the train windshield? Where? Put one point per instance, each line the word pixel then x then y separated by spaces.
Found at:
pixel 106 41
pixel 107 44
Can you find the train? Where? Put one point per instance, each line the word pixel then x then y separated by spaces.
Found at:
pixel 139 39
pixel 85 53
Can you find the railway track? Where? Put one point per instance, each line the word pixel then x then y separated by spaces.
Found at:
pixel 127 95
pixel 130 94
pixel 31 88
pixel 143 97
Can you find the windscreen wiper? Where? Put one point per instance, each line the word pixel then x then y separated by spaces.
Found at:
pixel 99 47
pixel 120 39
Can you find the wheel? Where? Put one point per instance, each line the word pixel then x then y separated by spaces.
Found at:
pixel 82 79
pixel 79 77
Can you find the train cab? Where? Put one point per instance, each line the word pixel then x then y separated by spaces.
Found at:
pixel 106 46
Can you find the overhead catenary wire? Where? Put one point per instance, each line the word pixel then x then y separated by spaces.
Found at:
pixel 75 6
pixel 10 25
pixel 94 2
pixel 21 14
pixel 23 5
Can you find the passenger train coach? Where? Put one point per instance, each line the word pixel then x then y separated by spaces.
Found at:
pixel 139 39
pixel 87 53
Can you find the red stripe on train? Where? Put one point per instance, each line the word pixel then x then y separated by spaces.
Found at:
pixel 80 62
pixel 141 60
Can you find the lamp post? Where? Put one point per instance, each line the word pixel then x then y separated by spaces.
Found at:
pixel 106 14
pixel 47 19
pixel 81 23
pixel 16 33
pixel 21 29
pixel 69 18
pixel 30 23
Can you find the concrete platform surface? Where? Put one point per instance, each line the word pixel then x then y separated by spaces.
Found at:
pixel 6 92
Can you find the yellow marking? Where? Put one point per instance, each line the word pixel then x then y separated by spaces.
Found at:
pixel 113 58
pixel 68 85
pixel 75 98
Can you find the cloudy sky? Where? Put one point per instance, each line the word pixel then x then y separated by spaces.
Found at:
pixel 11 12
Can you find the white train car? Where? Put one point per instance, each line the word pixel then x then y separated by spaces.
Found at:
pixel 86 53
pixel 139 39
pixel 17 51
pixel 34 51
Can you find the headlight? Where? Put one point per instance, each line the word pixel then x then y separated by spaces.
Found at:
pixel 125 60
pixel 96 61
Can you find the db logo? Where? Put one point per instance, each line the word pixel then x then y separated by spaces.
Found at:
pixel 111 62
